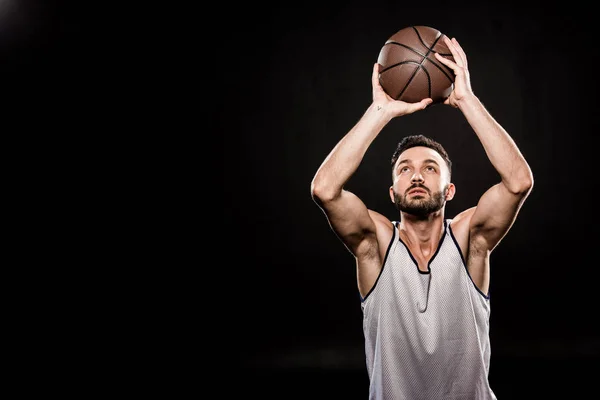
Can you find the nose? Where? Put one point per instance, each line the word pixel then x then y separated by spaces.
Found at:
pixel 417 177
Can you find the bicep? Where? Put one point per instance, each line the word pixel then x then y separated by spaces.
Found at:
pixel 494 215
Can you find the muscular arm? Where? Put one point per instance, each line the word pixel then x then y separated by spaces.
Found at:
pixel 360 229
pixel 484 226
pixel 499 205
pixel 347 214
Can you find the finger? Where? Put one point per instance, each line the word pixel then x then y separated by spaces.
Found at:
pixel 421 105
pixel 461 52
pixel 375 75
pixel 454 50
pixel 446 61
pixel 459 56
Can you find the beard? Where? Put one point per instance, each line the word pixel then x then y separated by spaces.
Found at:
pixel 420 207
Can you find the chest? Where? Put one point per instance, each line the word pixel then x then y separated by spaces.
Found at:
pixel 421 255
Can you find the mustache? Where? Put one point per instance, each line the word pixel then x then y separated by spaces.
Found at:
pixel 417 186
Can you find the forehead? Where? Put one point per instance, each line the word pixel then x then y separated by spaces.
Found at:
pixel 418 154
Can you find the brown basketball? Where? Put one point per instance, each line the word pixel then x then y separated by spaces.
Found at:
pixel 409 70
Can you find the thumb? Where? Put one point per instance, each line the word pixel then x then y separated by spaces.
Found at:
pixel 421 105
pixel 375 76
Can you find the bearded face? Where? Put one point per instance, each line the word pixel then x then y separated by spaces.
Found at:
pixel 419 201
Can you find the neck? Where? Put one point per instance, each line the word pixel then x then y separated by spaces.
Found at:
pixel 423 232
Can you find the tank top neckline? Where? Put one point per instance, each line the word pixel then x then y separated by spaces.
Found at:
pixel 439 246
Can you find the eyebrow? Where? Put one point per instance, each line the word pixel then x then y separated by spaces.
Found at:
pixel 427 161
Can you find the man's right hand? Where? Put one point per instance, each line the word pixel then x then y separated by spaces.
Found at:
pixel 394 108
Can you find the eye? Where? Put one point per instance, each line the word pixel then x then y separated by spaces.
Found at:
pixel 430 168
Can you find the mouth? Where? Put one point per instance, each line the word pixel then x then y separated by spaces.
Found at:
pixel 417 192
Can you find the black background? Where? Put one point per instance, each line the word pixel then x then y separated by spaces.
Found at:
pixel 280 84
pixel 295 78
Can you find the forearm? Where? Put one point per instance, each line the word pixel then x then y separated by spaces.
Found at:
pixel 500 148
pixel 346 156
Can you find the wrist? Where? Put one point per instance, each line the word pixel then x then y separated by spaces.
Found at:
pixel 468 102
pixel 379 112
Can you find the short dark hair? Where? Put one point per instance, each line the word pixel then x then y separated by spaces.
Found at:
pixel 420 140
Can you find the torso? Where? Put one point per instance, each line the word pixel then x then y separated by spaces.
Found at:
pixel 422 315
pixel 476 264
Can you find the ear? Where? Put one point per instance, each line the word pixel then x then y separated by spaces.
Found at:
pixel 450 191
pixel 392 194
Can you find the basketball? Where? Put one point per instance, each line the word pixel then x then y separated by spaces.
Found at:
pixel 409 70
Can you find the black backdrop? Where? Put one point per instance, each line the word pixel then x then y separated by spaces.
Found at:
pixel 295 78
pixel 282 83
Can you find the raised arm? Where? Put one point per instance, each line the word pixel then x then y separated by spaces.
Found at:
pixel 347 214
pixel 497 209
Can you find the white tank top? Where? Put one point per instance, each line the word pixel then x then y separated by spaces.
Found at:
pixel 427 333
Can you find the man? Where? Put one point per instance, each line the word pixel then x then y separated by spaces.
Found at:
pixel 424 279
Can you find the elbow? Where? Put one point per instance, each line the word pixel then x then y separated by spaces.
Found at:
pixel 529 185
pixel 321 192
pixel 527 181
pixel 523 184
pixel 316 191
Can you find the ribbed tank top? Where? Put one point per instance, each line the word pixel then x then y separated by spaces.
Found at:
pixel 426 333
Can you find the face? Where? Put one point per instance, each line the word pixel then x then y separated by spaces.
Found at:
pixel 421 184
